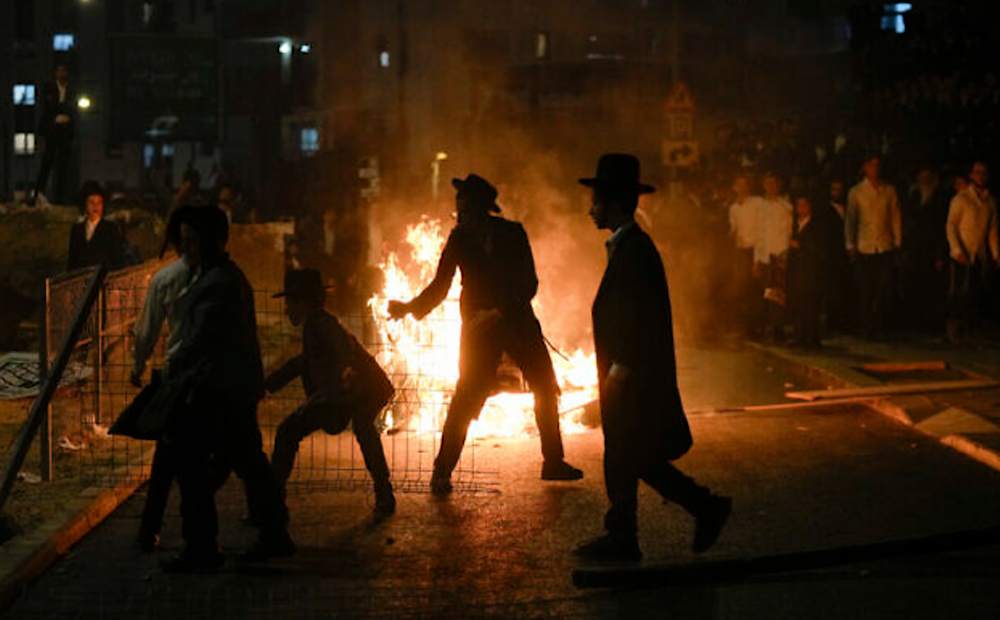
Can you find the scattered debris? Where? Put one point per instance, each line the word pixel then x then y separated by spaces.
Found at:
pixel 29 477
pixel 67 444
pixel 891 390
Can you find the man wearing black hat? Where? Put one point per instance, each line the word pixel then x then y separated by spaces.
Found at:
pixel 342 381
pixel 94 240
pixel 498 283
pixel 641 412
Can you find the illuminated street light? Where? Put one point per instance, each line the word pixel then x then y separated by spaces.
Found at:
pixel 84 102
pixel 436 173
pixel 285 48
pixel 305 48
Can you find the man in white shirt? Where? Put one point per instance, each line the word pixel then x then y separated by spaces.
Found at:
pixel 771 243
pixel 743 231
pixel 873 231
pixel 974 247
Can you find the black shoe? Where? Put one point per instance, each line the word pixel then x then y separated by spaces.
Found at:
pixel 385 504
pixel 191 562
pixel 560 470
pixel 147 542
pixel 273 546
pixel 610 548
pixel 441 484
pixel 709 524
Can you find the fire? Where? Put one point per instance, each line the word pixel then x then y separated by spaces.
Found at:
pixel 422 356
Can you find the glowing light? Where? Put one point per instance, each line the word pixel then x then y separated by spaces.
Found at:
pixel 383 59
pixel 84 102
pixel 305 48
pixel 441 156
pixel 285 48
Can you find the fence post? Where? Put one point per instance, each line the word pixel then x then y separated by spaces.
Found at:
pixel 100 356
pixel 45 431
pixel 46 390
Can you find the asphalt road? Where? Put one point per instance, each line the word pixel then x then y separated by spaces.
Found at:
pixel 802 481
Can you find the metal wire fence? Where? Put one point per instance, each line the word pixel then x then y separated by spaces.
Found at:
pixel 85 407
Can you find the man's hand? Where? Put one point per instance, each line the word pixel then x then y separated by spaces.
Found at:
pixel 398 309
pixel 961 258
pixel 614 383
pixel 795 244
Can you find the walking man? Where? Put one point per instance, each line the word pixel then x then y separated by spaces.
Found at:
pixel 641 413
pixel 343 384
pixel 498 283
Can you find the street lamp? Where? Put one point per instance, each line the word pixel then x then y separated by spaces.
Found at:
pixel 436 173
pixel 84 102
pixel 285 48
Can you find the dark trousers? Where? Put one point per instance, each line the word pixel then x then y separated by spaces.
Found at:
pixel 480 355
pixel 622 472
pixel 161 477
pixel 56 153
pixel 314 416
pixel 215 426
pixel 874 273
pixel 967 292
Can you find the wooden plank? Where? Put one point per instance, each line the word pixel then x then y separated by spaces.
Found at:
pixel 896 389
pixel 905 366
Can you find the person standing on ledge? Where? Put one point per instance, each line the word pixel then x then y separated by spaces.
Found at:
pixel 641 412
pixel 498 283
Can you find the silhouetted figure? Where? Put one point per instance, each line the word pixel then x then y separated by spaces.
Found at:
pixel 498 283
pixel 94 241
pixel 343 384
pixel 805 273
pixel 925 251
pixel 56 126
pixel 641 413
pixel 219 357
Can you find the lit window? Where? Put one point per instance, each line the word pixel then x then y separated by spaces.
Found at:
pixel 892 16
pixel 383 59
pixel 24 144
pixel 167 150
pixel 63 42
pixel 309 140
pixel 148 154
pixel 24 94
pixel 541 45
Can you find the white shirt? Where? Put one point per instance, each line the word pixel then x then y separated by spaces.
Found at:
pixel 743 221
pixel 89 227
pixel 162 302
pixel 616 238
pixel 774 229
pixel 873 224
pixel 972 226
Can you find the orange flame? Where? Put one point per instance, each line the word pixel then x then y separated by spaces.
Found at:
pixel 422 356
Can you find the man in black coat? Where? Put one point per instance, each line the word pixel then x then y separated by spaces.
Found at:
pixel 220 355
pixel 498 283
pixel 94 241
pixel 56 127
pixel 641 413
pixel 805 273
pixel 343 384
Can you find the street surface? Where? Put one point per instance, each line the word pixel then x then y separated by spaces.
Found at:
pixel 801 480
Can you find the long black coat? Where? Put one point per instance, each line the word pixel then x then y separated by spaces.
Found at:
pixel 104 248
pixel 633 327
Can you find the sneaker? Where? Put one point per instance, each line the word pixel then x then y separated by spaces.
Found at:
pixel 441 484
pixel 279 545
pixel 560 470
pixel 709 524
pixel 610 548
pixel 193 562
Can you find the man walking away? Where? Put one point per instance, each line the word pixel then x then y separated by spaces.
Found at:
pixel 641 413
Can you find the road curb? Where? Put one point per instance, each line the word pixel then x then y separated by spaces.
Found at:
pixel 27 558
pixel 900 409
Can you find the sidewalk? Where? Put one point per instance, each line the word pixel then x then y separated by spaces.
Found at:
pixel 968 421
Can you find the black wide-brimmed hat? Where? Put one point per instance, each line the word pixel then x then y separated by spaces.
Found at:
pixel 88 189
pixel 304 284
pixel 618 172
pixel 478 192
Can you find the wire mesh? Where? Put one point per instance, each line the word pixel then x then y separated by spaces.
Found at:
pixel 83 410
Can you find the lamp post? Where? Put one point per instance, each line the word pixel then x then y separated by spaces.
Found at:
pixel 436 173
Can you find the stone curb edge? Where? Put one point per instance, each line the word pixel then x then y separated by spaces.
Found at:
pixel 894 408
pixel 41 549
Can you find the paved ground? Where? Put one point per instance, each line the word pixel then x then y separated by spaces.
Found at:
pixel 802 480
